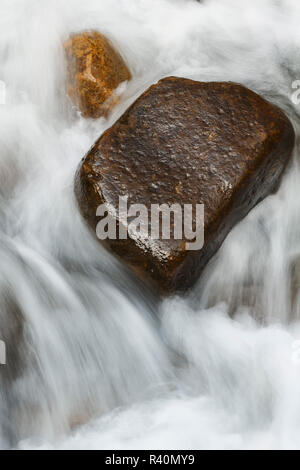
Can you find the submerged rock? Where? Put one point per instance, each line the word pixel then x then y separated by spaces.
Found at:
pixel 95 70
pixel 186 142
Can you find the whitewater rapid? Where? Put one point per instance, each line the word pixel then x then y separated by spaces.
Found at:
pixel 96 361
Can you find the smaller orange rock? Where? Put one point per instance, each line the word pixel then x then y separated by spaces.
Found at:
pixel 95 70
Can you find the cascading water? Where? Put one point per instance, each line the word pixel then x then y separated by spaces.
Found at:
pixel 94 360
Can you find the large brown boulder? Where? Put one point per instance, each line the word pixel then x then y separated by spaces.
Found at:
pixel 95 70
pixel 184 141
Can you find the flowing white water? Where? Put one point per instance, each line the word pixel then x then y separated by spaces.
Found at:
pixel 93 360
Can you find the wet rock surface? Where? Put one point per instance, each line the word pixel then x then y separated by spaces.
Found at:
pixel 186 142
pixel 95 70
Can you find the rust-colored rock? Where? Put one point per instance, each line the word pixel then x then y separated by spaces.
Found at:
pixel 95 70
pixel 184 141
